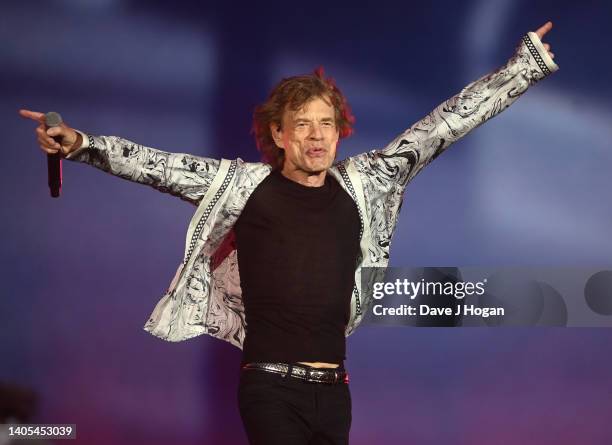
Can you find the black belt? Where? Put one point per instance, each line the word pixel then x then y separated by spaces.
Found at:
pixel 315 375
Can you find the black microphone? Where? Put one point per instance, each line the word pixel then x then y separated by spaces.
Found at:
pixel 54 161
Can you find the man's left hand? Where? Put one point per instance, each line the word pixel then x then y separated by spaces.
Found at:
pixel 541 32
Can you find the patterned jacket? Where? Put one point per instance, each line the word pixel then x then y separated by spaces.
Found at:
pixel 205 295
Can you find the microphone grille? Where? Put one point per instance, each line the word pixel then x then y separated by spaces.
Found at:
pixel 53 119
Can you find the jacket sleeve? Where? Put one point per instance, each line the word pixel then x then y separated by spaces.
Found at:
pixel 401 160
pixel 183 175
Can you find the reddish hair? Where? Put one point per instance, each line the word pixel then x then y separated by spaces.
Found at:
pixel 292 93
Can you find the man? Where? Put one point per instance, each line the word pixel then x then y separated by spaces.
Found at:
pixel 304 228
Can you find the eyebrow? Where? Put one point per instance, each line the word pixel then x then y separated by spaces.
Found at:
pixel 325 119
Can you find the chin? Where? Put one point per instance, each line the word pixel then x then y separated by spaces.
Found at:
pixel 318 167
pixel 316 171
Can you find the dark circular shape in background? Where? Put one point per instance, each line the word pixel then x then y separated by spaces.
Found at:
pixel 598 292
pixel 518 293
pixel 554 312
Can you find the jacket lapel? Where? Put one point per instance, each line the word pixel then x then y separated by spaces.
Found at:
pixel 348 177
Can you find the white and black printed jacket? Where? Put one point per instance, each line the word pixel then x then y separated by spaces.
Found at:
pixel 205 296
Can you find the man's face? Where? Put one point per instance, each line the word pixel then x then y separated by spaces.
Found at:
pixel 309 137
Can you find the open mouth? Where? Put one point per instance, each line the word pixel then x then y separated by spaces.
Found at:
pixel 316 152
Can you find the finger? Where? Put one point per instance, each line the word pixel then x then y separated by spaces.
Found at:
pixel 544 29
pixel 552 55
pixel 43 136
pixel 49 150
pixel 34 115
pixel 62 131
pixel 48 142
pixel 547 46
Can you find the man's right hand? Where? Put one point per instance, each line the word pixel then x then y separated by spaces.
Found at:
pixel 71 140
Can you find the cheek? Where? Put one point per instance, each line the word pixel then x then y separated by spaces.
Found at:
pixel 295 149
pixel 297 145
pixel 334 150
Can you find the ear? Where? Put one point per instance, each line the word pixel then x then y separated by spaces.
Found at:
pixel 277 135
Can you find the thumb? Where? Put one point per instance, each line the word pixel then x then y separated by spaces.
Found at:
pixel 68 136
pixel 57 131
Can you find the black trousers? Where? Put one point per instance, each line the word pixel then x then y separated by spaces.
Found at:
pixel 279 410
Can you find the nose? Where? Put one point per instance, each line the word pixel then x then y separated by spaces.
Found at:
pixel 315 132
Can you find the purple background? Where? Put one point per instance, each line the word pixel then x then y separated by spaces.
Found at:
pixel 82 274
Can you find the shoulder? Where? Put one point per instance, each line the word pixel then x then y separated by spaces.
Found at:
pixel 248 174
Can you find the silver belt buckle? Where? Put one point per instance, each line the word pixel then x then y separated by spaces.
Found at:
pixel 309 374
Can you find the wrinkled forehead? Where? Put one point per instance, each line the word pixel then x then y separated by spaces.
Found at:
pixel 317 106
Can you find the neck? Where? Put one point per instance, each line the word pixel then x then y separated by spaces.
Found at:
pixel 305 178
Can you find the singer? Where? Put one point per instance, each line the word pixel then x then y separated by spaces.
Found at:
pixel 275 249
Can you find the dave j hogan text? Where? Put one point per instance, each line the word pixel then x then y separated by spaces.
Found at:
pixel 466 310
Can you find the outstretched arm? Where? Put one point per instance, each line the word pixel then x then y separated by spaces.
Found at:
pixel 394 166
pixel 183 175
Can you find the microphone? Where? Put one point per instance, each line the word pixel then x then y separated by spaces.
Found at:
pixel 54 161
